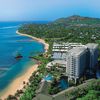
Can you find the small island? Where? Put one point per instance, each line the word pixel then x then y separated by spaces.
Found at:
pixel 18 56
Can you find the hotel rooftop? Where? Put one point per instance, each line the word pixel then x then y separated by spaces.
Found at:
pixel 60 50
pixel 77 50
pixel 92 45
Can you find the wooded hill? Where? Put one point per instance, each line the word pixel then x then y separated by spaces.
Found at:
pixel 71 29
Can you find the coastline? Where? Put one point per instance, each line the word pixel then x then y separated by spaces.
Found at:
pixel 46 46
pixel 17 84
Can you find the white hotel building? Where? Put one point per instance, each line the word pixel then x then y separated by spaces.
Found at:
pixel 76 62
pixel 76 56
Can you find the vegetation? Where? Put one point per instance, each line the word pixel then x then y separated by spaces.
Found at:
pixel 93 92
pixel 35 79
pixel 72 29
pixel 91 95
pixel 86 91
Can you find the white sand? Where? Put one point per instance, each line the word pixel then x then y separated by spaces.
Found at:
pixel 37 39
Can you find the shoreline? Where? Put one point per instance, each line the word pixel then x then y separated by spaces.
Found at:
pixel 17 83
pixel 46 45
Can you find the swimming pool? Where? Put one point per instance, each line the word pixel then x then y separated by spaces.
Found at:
pixel 63 84
pixel 48 78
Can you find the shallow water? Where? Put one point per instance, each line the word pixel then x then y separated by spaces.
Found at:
pixel 11 44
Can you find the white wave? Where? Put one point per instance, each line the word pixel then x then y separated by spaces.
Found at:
pixel 9 27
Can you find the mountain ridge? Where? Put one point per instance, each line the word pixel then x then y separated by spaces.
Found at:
pixel 76 19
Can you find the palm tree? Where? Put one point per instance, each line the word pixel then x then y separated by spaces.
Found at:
pixel 24 82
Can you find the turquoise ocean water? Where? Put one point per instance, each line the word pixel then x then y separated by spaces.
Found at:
pixel 11 44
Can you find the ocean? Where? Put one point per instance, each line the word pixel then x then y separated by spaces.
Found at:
pixel 11 44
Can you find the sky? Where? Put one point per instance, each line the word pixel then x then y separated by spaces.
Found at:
pixel 28 10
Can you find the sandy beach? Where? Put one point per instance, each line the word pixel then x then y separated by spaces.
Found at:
pixel 37 39
pixel 17 84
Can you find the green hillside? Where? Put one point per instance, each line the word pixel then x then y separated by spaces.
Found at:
pixel 71 29
pixel 78 20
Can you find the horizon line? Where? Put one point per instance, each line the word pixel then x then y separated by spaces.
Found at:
pixel 41 19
